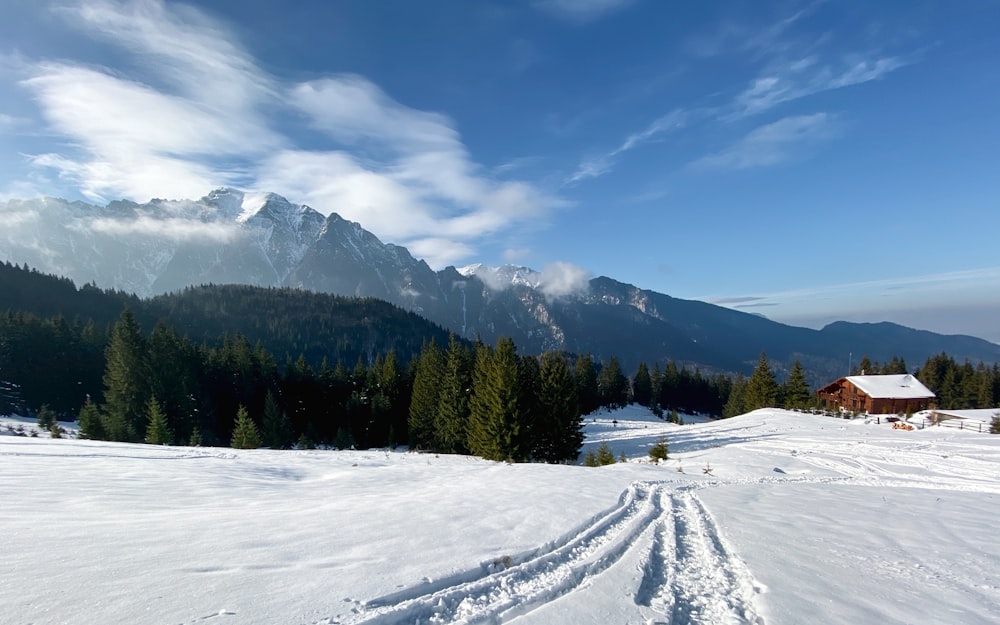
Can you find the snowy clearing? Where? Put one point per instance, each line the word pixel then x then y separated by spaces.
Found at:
pixel 773 517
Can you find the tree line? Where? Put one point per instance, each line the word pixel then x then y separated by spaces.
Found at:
pixel 365 373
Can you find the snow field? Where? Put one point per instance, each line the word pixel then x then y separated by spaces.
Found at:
pixel 772 517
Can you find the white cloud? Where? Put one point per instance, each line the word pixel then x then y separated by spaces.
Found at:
pixel 581 10
pixel 196 112
pixel 772 143
pixel 440 252
pixel 13 219
pixel 512 255
pixel 561 279
pixel 198 56
pixel 170 228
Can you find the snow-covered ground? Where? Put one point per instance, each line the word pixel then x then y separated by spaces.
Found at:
pixel 773 517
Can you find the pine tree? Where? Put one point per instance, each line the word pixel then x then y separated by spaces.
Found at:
pixel 46 417
pixel 89 421
pixel 557 432
pixel 865 367
pixel 245 434
pixel 424 401
pixel 658 451
pixel 604 454
pixel 656 389
pixel 452 419
pixel 761 390
pixel 157 430
pixel 276 428
pixel 612 385
pixel 736 403
pixel 126 380
pixel 585 375
pixel 642 386
pixel 795 391
pixel 495 419
pixel 529 382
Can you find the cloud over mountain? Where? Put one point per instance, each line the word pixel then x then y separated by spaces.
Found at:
pixel 194 110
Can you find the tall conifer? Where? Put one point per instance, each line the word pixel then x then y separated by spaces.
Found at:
pixel 761 389
pixel 557 431
pixel 126 379
pixel 795 391
pixel 157 430
pixel 245 433
pixel 452 419
pixel 495 419
pixel 427 388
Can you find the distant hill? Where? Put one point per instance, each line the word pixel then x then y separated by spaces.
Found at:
pixel 287 322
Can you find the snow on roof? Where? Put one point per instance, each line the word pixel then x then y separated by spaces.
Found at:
pixel 896 386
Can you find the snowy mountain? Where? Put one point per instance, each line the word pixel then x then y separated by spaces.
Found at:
pixel 230 236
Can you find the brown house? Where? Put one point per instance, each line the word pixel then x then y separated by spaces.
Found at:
pixel 877 394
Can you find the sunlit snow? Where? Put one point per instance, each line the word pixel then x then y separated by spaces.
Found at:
pixel 774 517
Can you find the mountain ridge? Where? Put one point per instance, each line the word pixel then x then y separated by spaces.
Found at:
pixel 262 239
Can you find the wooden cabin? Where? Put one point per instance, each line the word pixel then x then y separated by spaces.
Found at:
pixel 877 394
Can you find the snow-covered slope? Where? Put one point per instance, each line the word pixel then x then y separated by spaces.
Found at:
pixel 504 276
pixel 226 236
pixel 773 517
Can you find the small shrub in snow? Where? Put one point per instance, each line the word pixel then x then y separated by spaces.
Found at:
pixel 46 418
pixel 658 451
pixel 605 455
pixel 995 424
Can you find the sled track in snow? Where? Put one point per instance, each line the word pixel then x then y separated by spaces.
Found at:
pixel 691 577
pixel 494 597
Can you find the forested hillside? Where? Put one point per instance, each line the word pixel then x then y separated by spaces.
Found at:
pixel 264 366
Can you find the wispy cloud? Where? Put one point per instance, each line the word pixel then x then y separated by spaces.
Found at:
pixel 772 143
pixel 169 228
pixel 195 111
pixel 905 288
pixel 581 10
pixel 961 302
pixel 791 80
pixel 599 165
pixel 732 36
pixel 9 122
pixel 512 255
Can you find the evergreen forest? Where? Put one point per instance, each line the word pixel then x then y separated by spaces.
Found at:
pixel 251 366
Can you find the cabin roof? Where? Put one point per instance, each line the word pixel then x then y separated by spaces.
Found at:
pixel 893 386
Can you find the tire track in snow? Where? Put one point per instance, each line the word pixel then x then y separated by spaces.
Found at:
pixel 500 596
pixel 691 576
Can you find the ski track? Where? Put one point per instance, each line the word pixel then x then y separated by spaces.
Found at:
pixel 494 597
pixel 689 576
pixel 697 579
pixel 867 464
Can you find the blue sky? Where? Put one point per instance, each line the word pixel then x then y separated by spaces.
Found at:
pixel 808 161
